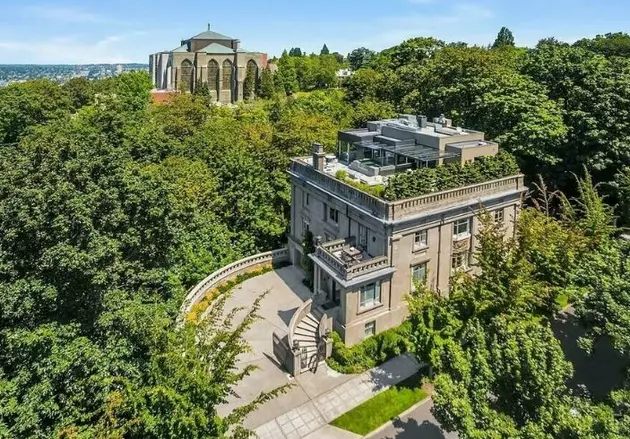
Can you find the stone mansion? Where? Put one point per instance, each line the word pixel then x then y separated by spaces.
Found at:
pixel 207 58
pixel 369 251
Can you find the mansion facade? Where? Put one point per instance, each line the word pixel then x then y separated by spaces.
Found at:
pixel 370 252
pixel 207 58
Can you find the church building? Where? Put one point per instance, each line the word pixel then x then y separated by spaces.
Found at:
pixel 207 58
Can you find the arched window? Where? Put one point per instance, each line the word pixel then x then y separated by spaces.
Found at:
pixel 228 75
pixel 251 80
pixel 186 75
pixel 213 75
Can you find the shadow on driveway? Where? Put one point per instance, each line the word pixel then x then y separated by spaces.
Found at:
pixel 599 373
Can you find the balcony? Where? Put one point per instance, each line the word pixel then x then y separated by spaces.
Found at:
pixel 348 263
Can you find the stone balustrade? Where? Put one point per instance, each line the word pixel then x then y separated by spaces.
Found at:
pixel 366 267
pixel 234 269
pixel 396 210
pixel 348 270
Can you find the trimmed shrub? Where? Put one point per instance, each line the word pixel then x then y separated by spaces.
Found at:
pixel 371 352
pixel 427 180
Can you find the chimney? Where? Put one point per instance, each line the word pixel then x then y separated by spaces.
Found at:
pixel 208 26
pixel 422 121
pixel 319 157
pixel 237 44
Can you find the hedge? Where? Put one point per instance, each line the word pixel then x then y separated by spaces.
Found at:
pixel 371 352
pixel 424 181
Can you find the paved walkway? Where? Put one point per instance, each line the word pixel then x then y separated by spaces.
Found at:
pixel 310 418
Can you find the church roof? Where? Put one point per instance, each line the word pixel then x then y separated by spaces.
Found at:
pixel 183 48
pixel 216 48
pixel 210 35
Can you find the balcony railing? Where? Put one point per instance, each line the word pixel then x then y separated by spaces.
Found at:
pixel 396 210
pixel 348 270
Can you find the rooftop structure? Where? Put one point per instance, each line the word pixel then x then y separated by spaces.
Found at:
pixel 207 58
pixel 387 147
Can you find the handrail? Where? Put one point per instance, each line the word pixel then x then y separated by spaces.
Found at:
pixel 299 314
pixel 199 290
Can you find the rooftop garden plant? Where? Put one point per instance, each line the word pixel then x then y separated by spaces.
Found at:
pixel 450 176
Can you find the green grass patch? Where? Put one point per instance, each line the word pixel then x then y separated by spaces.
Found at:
pixel 383 407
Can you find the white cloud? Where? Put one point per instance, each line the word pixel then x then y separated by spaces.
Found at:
pixel 65 50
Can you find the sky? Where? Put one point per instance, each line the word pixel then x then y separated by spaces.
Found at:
pixel 117 31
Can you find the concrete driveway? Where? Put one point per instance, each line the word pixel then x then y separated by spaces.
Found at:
pixel 285 294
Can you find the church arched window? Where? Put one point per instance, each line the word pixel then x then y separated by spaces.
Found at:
pixel 186 75
pixel 213 75
pixel 228 75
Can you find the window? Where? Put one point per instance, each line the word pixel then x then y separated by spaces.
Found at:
pixel 461 228
pixel 418 275
pixel 370 329
pixel 305 199
pixel 498 216
pixel 213 75
pixel 420 239
pixel 363 236
pixel 228 75
pixel 370 295
pixel 460 261
pixel 333 215
pixel 186 75
pixel 305 226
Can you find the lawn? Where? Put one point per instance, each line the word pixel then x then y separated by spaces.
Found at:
pixel 383 407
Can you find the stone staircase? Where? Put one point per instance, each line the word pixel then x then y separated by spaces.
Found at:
pixel 307 335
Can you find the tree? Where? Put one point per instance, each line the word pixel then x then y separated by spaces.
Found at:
pixel 25 106
pixel 360 58
pixel 610 44
pixel 324 50
pixel 267 84
pixel 504 39
pixel 80 91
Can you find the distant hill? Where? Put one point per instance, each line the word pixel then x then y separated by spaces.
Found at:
pixel 63 72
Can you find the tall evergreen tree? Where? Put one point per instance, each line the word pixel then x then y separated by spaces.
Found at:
pixel 505 38
pixel 325 50
pixel 267 86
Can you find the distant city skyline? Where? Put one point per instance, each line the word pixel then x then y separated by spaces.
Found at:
pixel 117 31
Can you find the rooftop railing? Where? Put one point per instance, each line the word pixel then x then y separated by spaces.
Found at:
pixel 396 210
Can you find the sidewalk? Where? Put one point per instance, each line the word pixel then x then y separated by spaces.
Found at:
pixel 314 415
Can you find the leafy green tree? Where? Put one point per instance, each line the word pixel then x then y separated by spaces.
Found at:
pixel 360 58
pixel 267 84
pixel 610 44
pixel 80 91
pixel 504 39
pixel 593 93
pixel 324 50
pixel 24 106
